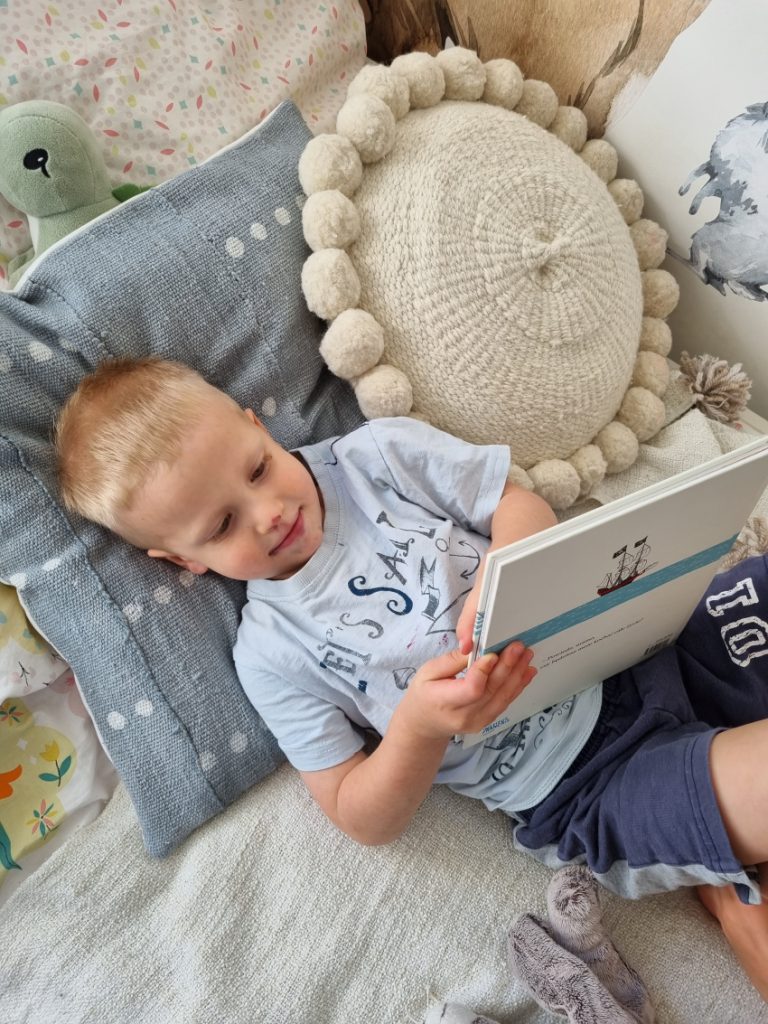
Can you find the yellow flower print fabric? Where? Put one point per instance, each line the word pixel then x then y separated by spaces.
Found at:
pixel 31 788
pixel 53 773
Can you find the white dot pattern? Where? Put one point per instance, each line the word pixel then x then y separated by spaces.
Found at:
pixel 187 578
pixel 282 216
pixel 144 708
pixel 207 760
pixel 133 612
pixel 269 407
pixel 163 595
pixel 115 720
pixel 235 247
pixel 258 231
pixel 40 352
pixel 238 742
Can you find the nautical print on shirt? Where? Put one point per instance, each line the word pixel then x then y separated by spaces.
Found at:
pixel 331 650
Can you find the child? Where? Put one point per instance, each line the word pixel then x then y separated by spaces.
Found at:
pixel 363 557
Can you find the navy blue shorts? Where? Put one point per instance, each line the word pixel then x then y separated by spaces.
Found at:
pixel 637 805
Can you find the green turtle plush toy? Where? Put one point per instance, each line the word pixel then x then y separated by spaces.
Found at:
pixel 51 168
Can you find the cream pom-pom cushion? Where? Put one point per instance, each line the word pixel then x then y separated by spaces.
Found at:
pixel 482 267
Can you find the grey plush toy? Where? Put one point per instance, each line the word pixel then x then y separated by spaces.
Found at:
pixel 576 924
pixel 567 963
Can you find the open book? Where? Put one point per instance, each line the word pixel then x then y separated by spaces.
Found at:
pixel 607 589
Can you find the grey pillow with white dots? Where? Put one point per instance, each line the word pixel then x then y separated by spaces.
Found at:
pixel 206 269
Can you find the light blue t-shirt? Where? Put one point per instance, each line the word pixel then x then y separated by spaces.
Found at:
pixel 330 651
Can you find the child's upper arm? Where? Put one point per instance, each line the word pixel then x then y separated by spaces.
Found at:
pixel 325 783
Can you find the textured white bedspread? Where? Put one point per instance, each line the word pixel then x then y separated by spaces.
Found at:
pixel 268 914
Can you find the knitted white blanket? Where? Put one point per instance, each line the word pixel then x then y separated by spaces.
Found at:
pixel 267 914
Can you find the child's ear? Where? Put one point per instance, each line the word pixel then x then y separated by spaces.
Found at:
pixel 195 567
pixel 254 418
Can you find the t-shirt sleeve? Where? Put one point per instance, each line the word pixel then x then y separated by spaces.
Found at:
pixel 312 733
pixel 438 471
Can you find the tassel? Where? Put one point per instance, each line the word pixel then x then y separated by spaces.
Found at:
pixel 752 540
pixel 721 391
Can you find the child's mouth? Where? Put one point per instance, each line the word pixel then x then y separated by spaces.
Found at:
pixel 293 534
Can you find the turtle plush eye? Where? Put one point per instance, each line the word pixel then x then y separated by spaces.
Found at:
pixel 35 160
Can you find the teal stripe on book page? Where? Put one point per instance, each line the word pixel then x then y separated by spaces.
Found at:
pixel 598 605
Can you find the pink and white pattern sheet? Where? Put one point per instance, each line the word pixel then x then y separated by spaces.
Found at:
pixel 166 83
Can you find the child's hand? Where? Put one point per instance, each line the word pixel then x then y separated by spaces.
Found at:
pixel 437 705
pixel 465 627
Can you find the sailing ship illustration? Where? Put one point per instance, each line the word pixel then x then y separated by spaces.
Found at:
pixel 629 566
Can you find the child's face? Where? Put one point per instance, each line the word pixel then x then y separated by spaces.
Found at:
pixel 234 502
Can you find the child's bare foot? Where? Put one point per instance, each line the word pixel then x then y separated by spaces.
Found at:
pixel 746 929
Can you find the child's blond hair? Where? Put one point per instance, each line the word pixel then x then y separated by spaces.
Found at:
pixel 125 419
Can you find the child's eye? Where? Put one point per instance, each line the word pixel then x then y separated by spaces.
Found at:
pixel 222 528
pixel 259 471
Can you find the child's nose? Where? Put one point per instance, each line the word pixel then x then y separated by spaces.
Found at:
pixel 269 518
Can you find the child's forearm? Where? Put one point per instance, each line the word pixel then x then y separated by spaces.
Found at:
pixel 373 799
pixel 378 798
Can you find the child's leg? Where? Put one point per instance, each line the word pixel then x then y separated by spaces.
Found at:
pixel 662 798
pixel 740 781
pixel 662 805
pixel 737 767
pixel 745 927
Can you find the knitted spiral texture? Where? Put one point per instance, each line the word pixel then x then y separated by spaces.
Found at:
pixel 481 267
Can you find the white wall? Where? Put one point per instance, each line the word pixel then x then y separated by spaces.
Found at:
pixel 713 72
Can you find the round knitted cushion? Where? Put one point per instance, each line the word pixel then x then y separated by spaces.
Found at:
pixel 518 297
pixel 478 273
